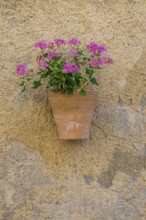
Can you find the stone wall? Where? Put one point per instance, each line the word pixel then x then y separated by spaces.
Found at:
pixel 104 177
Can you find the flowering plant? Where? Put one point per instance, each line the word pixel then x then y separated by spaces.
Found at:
pixel 65 66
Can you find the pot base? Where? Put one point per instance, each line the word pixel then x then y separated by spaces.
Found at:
pixel 73 114
pixel 73 125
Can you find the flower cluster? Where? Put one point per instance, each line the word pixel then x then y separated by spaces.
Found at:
pixel 42 63
pixel 101 61
pixel 59 41
pixel 65 65
pixel 74 41
pixel 70 68
pixel 42 44
pixel 21 69
pixel 96 48
pixel 52 54
pixel 74 53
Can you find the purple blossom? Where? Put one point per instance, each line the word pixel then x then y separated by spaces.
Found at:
pixel 94 47
pixel 105 60
pixel 53 54
pixel 51 44
pixel 42 63
pixel 101 61
pixel 94 62
pixel 41 44
pixel 73 41
pixel 22 69
pixel 59 41
pixel 74 53
pixel 110 61
pixel 98 62
pixel 70 68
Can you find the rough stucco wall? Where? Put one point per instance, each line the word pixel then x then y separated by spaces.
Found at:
pixel 103 178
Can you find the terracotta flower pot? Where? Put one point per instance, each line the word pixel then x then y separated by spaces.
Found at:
pixel 73 114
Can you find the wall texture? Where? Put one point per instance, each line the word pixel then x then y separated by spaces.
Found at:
pixel 103 178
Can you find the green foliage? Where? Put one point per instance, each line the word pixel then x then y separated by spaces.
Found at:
pixel 93 81
pixel 90 72
pixel 82 92
pixel 23 89
pixel 82 66
pixel 22 83
pixel 36 84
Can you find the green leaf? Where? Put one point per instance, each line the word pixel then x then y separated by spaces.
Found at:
pixel 94 81
pixel 59 64
pixel 78 79
pixel 75 58
pixel 28 79
pixel 82 92
pixel 90 72
pixel 69 91
pixel 24 88
pixel 49 70
pixel 21 84
pixel 57 58
pixel 83 62
pixel 45 55
pixel 80 52
pixel 86 58
pixel 36 84
pixel 44 75
pixel 54 80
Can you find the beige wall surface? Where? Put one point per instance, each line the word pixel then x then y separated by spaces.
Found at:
pixel 104 177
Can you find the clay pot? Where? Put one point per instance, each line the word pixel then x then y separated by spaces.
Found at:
pixel 73 114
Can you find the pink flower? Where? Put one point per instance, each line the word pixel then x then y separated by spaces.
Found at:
pixel 94 47
pixel 73 41
pixel 110 61
pixel 94 62
pixel 22 69
pixel 53 54
pixel 51 44
pixel 70 68
pixel 41 44
pixel 42 63
pixel 101 61
pixel 74 53
pixel 105 60
pixel 59 41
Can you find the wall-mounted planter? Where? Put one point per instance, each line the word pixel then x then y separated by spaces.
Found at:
pixel 73 114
